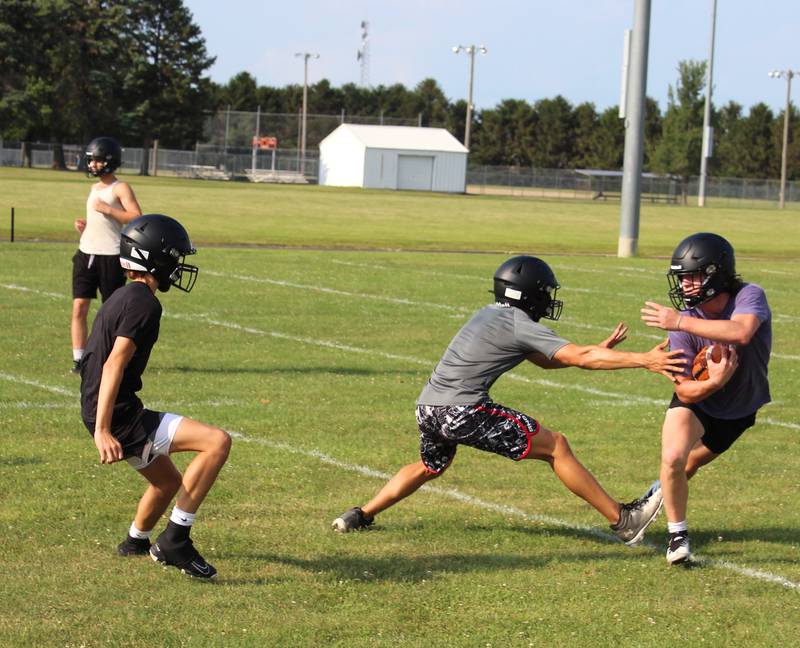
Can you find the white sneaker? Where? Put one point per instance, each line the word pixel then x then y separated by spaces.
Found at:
pixel 636 516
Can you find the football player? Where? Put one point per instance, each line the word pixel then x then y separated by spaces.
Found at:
pixel 455 408
pixel 111 204
pixel 152 251
pixel 711 304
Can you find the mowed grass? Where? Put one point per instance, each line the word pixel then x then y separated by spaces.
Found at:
pixel 313 359
pixel 47 202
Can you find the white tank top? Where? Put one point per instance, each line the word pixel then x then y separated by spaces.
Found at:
pixel 101 235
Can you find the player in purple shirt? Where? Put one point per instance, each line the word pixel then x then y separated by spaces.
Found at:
pixel 712 305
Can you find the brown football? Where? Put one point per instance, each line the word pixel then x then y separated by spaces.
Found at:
pixel 700 364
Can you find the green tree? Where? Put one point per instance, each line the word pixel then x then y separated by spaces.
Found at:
pixel 679 149
pixel 166 94
pixel 554 140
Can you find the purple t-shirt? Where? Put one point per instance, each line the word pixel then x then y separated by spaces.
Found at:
pixel 748 389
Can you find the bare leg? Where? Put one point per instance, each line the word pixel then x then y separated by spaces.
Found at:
pixel 78 326
pixel 680 434
pixel 165 480
pixel 407 480
pixel 698 457
pixel 212 446
pixel 553 448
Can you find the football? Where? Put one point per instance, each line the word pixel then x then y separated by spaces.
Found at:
pixel 700 364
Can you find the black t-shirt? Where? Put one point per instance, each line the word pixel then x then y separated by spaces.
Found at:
pixel 131 312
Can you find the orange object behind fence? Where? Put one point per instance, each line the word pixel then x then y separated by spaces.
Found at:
pixel 265 142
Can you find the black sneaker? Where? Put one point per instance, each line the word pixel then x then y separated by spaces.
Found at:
pixel 76 367
pixel 352 520
pixel 182 555
pixel 134 547
pixel 678 551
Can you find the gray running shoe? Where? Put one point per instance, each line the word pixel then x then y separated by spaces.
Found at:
pixel 678 551
pixel 352 520
pixel 636 516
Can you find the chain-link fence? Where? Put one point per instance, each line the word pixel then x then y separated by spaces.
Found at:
pixel 236 129
pixel 286 164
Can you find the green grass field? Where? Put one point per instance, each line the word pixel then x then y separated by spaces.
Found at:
pixel 313 358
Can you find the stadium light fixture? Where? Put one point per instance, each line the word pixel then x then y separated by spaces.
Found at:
pixel 784 74
pixel 305 56
pixel 470 50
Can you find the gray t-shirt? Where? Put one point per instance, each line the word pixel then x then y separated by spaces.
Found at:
pixel 748 389
pixel 495 340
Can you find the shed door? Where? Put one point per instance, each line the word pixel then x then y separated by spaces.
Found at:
pixel 415 172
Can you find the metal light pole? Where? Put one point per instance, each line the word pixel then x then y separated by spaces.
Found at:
pixel 708 132
pixel 628 243
pixel 784 74
pixel 305 56
pixel 470 50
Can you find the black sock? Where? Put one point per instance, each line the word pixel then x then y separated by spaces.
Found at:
pixel 177 532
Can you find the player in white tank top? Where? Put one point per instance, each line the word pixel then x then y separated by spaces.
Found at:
pixel 110 205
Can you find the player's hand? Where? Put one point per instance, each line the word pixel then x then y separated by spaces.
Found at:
pixel 721 372
pixel 667 363
pixel 101 206
pixel 107 445
pixel 659 316
pixel 80 225
pixel 619 335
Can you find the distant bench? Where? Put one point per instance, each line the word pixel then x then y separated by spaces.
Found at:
pixel 267 175
pixel 207 172
pixel 653 198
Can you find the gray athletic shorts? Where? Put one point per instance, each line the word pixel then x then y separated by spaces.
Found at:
pixel 487 426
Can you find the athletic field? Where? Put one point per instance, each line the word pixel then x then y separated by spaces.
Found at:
pixel 316 319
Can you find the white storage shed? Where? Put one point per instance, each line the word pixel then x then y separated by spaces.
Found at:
pixel 393 157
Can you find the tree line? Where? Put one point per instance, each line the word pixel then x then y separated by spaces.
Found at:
pixel 137 69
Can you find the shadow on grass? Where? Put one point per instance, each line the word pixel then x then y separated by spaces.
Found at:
pixel 19 461
pixel 336 371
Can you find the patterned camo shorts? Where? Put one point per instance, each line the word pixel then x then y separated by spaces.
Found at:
pixel 486 426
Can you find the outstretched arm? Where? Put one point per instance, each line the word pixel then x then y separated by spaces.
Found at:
pixel 658 359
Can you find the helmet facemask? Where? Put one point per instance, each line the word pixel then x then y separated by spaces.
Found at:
pixel 712 285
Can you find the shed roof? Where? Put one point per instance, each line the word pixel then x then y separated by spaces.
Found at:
pixel 413 138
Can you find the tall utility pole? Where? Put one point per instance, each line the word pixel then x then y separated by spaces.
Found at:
pixel 305 56
pixel 708 132
pixel 785 74
pixel 628 243
pixel 363 54
pixel 470 50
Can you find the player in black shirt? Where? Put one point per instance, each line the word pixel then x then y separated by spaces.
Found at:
pixel 152 250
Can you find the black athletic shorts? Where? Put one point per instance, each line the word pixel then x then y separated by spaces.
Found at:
pixel 486 426
pixel 91 272
pixel 134 434
pixel 719 434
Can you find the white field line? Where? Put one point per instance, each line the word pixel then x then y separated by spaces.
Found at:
pixel 342 293
pixel 157 405
pixel 504 509
pixel 35 383
pixel 455 494
pixel 33 290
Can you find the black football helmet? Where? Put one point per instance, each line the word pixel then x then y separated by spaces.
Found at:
pixel 706 253
pixel 103 149
pixel 528 283
pixel 158 244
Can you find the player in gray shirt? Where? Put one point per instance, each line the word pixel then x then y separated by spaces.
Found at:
pixel 455 408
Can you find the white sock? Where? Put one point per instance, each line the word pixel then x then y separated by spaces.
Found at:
pixel 182 517
pixel 133 532
pixel 675 527
pixel 77 354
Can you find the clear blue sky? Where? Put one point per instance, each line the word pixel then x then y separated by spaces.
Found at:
pixel 537 48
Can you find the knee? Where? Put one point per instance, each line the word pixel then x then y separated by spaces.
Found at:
pixel 673 460
pixel 80 309
pixel 221 443
pixel 560 445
